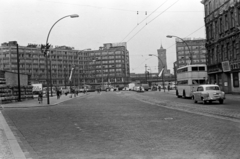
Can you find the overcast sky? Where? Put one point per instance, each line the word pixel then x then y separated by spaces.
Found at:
pixel 143 24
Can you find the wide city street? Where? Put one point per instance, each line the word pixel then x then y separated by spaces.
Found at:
pixel 128 125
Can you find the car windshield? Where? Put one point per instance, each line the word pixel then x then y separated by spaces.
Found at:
pixel 212 88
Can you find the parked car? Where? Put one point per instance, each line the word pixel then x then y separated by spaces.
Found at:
pixel 141 89
pixel 125 89
pixel 208 93
pixel 136 88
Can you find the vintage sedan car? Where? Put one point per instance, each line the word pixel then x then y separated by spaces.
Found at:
pixel 208 93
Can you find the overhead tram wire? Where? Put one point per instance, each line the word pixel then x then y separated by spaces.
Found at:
pixel 188 35
pixel 153 20
pixel 141 63
pixel 144 19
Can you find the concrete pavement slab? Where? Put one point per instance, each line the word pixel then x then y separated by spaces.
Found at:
pixel 13 149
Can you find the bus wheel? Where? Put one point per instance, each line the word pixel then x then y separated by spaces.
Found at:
pixel 184 94
pixel 177 94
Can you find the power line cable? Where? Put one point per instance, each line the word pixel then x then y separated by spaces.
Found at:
pixel 144 19
pixel 152 20
pixel 188 35
pixel 141 63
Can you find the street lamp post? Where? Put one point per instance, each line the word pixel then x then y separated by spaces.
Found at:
pixel 50 76
pixel 162 70
pixel 46 48
pixel 18 71
pixel 170 36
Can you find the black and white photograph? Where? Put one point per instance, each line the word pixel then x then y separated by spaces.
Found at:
pixel 119 79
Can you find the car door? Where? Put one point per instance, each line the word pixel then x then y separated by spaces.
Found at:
pixel 198 93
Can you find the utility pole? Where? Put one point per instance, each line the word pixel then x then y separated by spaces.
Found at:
pixel 146 72
pixel 18 71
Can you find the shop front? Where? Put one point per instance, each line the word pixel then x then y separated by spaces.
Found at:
pixel 235 69
pixel 219 74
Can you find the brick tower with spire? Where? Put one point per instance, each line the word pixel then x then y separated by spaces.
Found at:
pixel 163 57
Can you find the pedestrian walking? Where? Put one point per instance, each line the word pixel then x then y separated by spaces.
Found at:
pixel 40 97
pixel 159 88
pixel 58 94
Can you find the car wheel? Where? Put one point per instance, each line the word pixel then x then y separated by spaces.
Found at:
pixel 221 101
pixel 204 101
pixel 195 101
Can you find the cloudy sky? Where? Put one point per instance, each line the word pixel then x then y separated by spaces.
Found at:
pixel 143 24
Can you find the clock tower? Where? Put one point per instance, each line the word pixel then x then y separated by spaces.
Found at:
pixel 162 61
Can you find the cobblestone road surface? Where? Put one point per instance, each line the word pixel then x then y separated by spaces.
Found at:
pixel 127 125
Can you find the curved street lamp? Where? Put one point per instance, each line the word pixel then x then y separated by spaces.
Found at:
pixel 170 36
pixel 162 69
pixel 46 48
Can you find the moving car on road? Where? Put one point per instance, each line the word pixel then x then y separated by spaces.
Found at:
pixel 208 93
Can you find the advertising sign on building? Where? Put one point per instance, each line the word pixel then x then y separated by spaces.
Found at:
pixel 225 66
pixel 37 87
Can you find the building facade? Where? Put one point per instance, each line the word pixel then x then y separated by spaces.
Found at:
pixel 191 51
pixel 222 22
pixel 92 67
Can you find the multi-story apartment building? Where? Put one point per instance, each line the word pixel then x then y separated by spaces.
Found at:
pixel 222 22
pixel 191 51
pixel 93 67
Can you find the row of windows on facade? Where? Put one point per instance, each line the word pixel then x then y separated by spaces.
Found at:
pixel 79 76
pixel 224 53
pixel 194 61
pixel 212 5
pixel 60 71
pixel 192 52
pixel 76 82
pixel 22 56
pixel 60 68
pixel 30 53
pixel 192 48
pixel 223 23
pixel 6 61
pixel 193 56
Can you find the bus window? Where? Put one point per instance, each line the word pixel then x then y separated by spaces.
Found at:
pixel 199 81
pixel 194 68
pixel 202 81
pixel 201 68
pixel 194 81
pixel 182 82
pixel 182 70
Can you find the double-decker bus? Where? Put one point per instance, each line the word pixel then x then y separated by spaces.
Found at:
pixel 188 78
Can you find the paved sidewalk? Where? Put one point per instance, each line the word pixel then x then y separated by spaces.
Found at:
pixel 34 102
pixel 9 146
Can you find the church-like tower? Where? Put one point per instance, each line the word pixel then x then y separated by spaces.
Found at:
pixel 163 58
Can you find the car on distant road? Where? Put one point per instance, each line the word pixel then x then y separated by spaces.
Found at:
pixel 125 89
pixel 208 93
